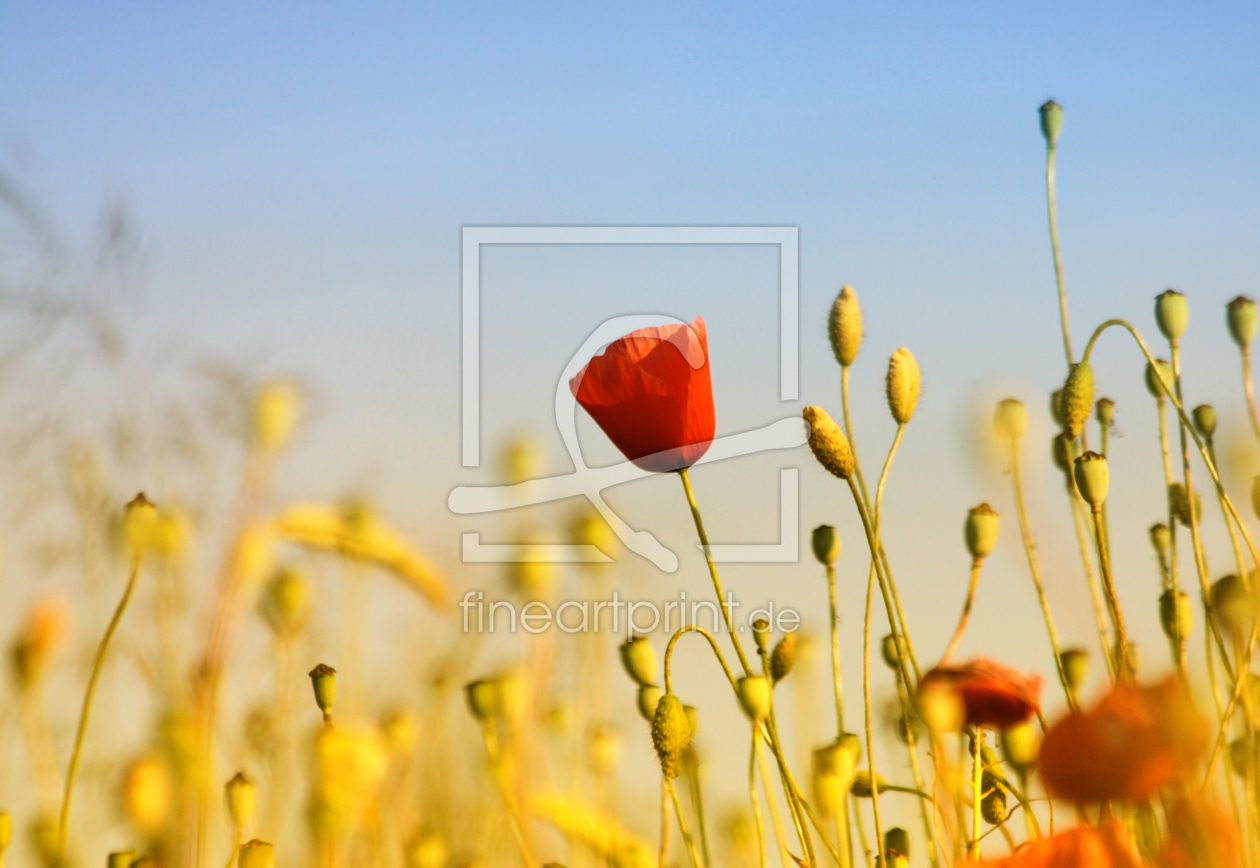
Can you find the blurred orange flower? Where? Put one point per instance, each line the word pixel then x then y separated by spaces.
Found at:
pixel 1200 834
pixel 1106 846
pixel 1134 742
pixel 990 694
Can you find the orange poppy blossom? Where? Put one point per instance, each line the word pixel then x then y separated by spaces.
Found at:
pixel 987 693
pixel 1134 742
pixel 1103 846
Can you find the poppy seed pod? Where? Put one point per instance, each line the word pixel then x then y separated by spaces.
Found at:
pixel 483 699
pixel 844 326
pixel 862 784
pixel 1105 412
pixel 671 733
pixel 993 802
pixel 1153 384
pixel 1077 399
pixel 1010 419
pixel 1051 121
pixel 754 696
pixel 1161 539
pixel 1176 614
pixel 1179 504
pixel 897 841
pixel 140 523
pixel 1172 314
pixel 286 602
pixel 783 657
pixel 761 634
pixel 120 859
pixel 241 799
pixel 1075 663
pixel 1204 417
pixel 1090 472
pixel 647 699
pixel 980 531
pixel 826 544
pixel 889 650
pixel 1021 743
pixel 828 442
pixel 902 385
pixel 324 682
pixel 1240 316
pixel 1231 603
pixel 256 854
pixel 639 659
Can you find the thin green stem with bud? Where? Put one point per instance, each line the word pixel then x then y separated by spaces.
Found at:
pixel 976 563
pixel 835 647
pixel 682 824
pixel 1054 246
pixel 1251 394
pixel 977 765
pixel 752 796
pixel 1124 666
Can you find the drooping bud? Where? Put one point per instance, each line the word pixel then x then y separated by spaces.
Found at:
pixel 754 696
pixel 241 799
pixel 1179 504
pixel 256 854
pixel 844 326
pixel 324 682
pixel 1051 121
pixel 639 659
pixel 761 634
pixel 1176 614
pixel 1161 368
pixel 1022 745
pixel 826 544
pixel 1105 412
pixel 902 385
pixel 862 784
pixel 1172 314
pixel 1010 419
pixel 1077 399
pixel 647 699
pixel 828 442
pixel 1161 540
pixel 1231 604
pixel 671 734
pixel 783 657
pixel 1241 316
pixel 889 650
pixel 1092 478
pixel 980 531
pixel 1204 417
pixel 1075 663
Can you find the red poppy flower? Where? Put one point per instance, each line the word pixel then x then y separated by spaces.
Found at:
pixel 1104 846
pixel 1134 742
pixel 650 391
pixel 990 694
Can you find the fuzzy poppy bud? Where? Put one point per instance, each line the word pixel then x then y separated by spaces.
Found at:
pixel 671 733
pixel 639 659
pixel 844 326
pixel 1240 315
pixel 1231 604
pixel 1075 663
pixel 1051 121
pixel 1161 540
pixel 1204 417
pixel 648 697
pixel 256 854
pixel 1172 314
pixel 897 843
pixel 826 544
pixel 1076 399
pixel 992 802
pixel 241 799
pixel 1161 368
pixel 324 682
pixel 1092 478
pixel 980 531
pixel 1179 504
pixel 761 634
pixel 828 442
pixel 862 784
pixel 902 385
pixel 121 859
pixel 1176 614
pixel 783 657
pixel 1021 744
pixel 1105 412
pixel 1010 419
pixel 483 699
pixel 754 696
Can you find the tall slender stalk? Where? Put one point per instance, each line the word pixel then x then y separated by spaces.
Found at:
pixel 1124 665
pixel 835 647
pixel 1054 246
pixel 752 796
pixel 682 824
pixel 1250 392
pixel 976 563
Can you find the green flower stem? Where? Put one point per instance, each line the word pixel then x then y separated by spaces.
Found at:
pixel 835 647
pixel 1196 542
pixel 1229 525
pixel 865 844
pixel 1250 392
pixel 663 858
pixel 515 819
pixel 794 801
pixel 866 700
pixel 752 797
pixel 848 432
pixel 929 828
pixel 86 712
pixel 977 764
pixel 1100 615
pixel 697 805
pixel 682 824
pixel 1124 666
pixel 1173 580
pixel 1054 246
pixel 1030 550
pixel 976 563
pixel 776 817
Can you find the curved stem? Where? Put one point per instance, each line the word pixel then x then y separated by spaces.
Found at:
pixel 1124 666
pixel 713 643
pixel 966 612
pixel 1054 245
pixel 86 712
pixel 835 647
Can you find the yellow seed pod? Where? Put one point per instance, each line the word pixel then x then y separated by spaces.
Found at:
pixel 275 414
pixel 146 794
pixel 639 659
pixel 826 544
pixel 427 850
pixel 1021 744
pixel 783 657
pixel 1204 417
pixel 520 460
pixel 1161 539
pixel 941 708
pixel 512 696
pixel 862 784
pixel 902 385
pixel 1075 662
pixel 171 534
pixel 761 634
pixel 324 683
pixel 1172 314
pixel 648 698
pixel 844 326
pixel 241 799
pixel 833 767
pixel 1056 407
pixel 140 523
pixel 980 531
pixel 1076 399
pixel 828 442
pixel 993 802
pixel 671 733
pixel 1059 451
pixel 1010 419
pixel 1241 317
pixel 285 603
pixel 754 696
pixel 1161 368
pixel 1231 604
pixel 1242 752
pixel 1092 478
pixel 1105 412
pixel 604 750
pixel 256 854
pixel 587 527
pixel 888 649
pixel 1176 614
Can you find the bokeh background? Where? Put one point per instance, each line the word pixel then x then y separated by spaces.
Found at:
pixel 201 196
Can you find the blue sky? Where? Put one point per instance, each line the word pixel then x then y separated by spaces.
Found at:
pixel 299 174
